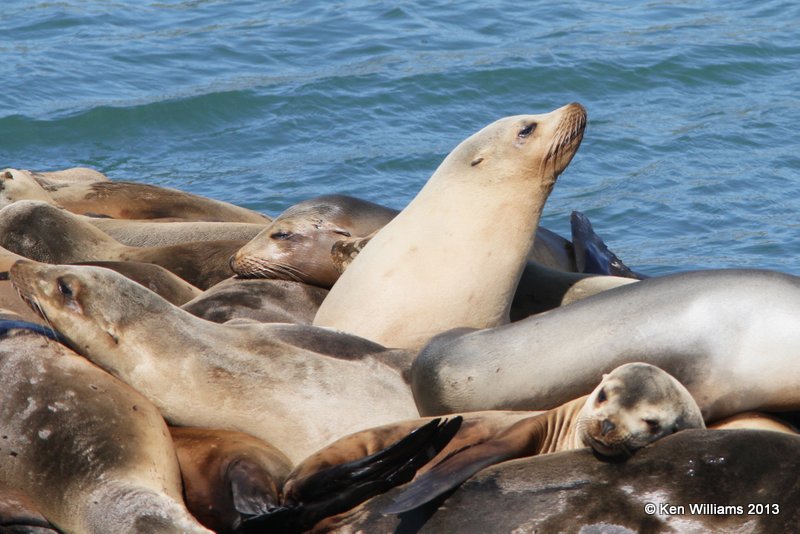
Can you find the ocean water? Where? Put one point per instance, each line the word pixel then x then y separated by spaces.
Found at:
pixel 691 158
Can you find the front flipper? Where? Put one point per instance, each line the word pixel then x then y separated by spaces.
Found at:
pixel 339 488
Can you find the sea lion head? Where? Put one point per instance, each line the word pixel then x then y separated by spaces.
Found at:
pixel 90 306
pixel 634 405
pixel 522 147
pixel 294 247
pixel 20 185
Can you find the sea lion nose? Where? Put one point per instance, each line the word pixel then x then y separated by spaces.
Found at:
pixel 607 426
pixel 232 262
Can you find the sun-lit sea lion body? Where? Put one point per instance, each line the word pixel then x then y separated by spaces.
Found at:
pixel 46 233
pixel 477 215
pixel 727 335
pixel 297 387
pixel 91 453
pixel 131 200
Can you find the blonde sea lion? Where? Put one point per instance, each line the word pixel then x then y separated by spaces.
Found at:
pixel 92 454
pixel 633 406
pixel 479 211
pixel 43 232
pixel 244 377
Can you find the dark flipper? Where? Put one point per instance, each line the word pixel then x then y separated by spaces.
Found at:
pixel 591 253
pixel 342 487
pixel 450 473
pixel 251 488
pixel 7 325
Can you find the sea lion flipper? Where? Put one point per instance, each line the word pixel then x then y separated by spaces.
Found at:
pixel 591 253
pixel 252 495
pixel 341 487
pixel 448 474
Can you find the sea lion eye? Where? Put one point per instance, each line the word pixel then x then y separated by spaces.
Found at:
pixel 281 235
pixel 653 425
pixel 601 396
pixel 525 132
pixel 64 288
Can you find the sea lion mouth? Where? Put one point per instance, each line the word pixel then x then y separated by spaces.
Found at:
pixel 617 450
pixel 567 138
pixel 253 267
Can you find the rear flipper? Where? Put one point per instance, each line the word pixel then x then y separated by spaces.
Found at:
pixel 450 473
pixel 339 488
pixel 591 253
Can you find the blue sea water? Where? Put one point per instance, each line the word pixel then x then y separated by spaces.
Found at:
pixel 691 158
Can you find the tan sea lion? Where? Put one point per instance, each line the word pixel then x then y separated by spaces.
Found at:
pixel 479 211
pixel 243 377
pixel 634 405
pixel 72 175
pixel 46 233
pixel 19 185
pixel 227 475
pixel 143 233
pixel 754 421
pixel 94 455
pixel 18 514
pixel 297 245
pixel 130 200
pixel 266 301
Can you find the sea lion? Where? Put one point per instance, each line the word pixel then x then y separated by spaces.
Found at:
pixel 18 185
pixel 72 175
pixel 18 514
pixel 153 277
pixel 454 255
pixel 297 245
pixel 754 421
pixel 726 335
pixel 593 285
pixel 243 377
pixel 228 475
pixel 90 452
pixel 46 233
pixel 235 482
pixel 266 301
pixel 143 233
pixel 157 279
pixel 634 405
pixel 131 200
pixel 692 481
